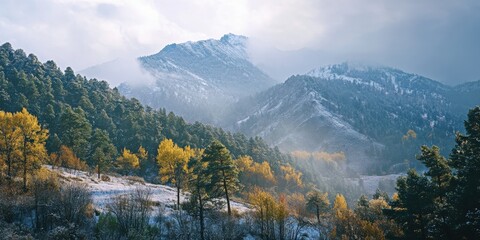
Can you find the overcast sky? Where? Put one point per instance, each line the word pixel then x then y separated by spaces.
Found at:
pixel 439 39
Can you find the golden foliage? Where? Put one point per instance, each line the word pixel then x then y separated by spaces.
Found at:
pixel 296 203
pixel 282 210
pixel 128 161
pixel 173 161
pixel 319 156
pixel 409 135
pixel 22 142
pixel 67 158
pixel 265 211
pixel 255 174
pixel 9 141
pixel 340 202
pixel 142 154
pixel 291 178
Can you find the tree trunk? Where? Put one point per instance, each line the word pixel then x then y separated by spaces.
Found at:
pixel 262 223
pixel 318 215
pixel 98 171
pixel 422 228
pixel 9 162
pixel 24 173
pixel 281 228
pixel 24 164
pixel 202 225
pixel 178 197
pixel 226 194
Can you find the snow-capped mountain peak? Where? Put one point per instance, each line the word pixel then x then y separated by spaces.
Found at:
pixel 192 78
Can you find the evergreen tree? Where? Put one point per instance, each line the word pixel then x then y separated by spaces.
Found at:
pixel 198 182
pixel 317 203
pixel 440 176
pixel 75 131
pixel 465 159
pixel 414 205
pixel 103 151
pixel 222 170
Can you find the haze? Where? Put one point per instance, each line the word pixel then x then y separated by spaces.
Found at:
pixel 435 38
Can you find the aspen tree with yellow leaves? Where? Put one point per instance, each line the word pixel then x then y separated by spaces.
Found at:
pixel 22 143
pixel 9 141
pixel 127 162
pixel 173 163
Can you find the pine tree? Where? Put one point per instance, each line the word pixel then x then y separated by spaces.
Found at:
pixel 438 169
pixel 465 159
pixel 103 151
pixel 414 205
pixel 317 203
pixel 75 131
pixel 222 170
pixel 440 176
pixel 198 182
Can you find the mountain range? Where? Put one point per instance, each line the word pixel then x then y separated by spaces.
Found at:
pixel 361 110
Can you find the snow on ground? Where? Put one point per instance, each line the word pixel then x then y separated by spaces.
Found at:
pixel 104 191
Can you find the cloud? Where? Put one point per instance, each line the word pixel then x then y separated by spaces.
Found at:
pixel 436 38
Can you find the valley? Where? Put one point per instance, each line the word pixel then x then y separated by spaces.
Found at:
pixel 196 141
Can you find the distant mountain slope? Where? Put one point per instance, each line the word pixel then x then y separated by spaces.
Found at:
pixel 198 79
pixel 356 109
pixel 466 95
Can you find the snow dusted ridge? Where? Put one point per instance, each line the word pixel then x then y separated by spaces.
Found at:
pixel 380 78
pixel 357 109
pixel 104 191
pixel 192 78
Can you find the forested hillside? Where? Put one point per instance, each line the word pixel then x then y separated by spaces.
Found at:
pixel 80 112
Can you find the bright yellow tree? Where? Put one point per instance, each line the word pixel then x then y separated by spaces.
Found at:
pixel 128 161
pixel 9 141
pixel 32 149
pixel 173 163
pixel 290 178
pixel 255 174
pixel 65 157
pixel 340 203
pixel 265 207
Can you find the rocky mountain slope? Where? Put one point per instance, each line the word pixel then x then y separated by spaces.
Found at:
pixel 364 111
pixel 198 79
